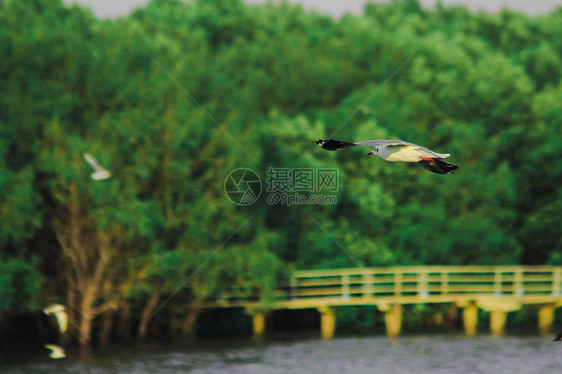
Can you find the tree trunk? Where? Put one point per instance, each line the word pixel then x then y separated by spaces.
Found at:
pixel 123 326
pixel 85 332
pixel 174 324
pixel 190 320
pixel 71 307
pixel 148 309
pixel 106 329
pixel 86 320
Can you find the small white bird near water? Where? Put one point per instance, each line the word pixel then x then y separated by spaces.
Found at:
pixel 398 150
pixel 60 314
pixel 99 173
pixel 56 351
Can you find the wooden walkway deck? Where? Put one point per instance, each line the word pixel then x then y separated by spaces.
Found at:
pixel 496 289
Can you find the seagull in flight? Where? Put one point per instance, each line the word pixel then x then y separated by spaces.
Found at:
pixel 60 314
pixel 56 351
pixel 398 150
pixel 99 173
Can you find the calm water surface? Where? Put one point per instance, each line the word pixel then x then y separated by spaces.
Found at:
pixel 420 354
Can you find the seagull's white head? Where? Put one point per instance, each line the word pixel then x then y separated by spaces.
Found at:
pixel 375 151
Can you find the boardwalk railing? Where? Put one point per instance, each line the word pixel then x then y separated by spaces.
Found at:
pixel 424 283
pixel 495 289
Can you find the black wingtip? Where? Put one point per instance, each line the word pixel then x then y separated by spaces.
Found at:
pixel 438 166
pixel 334 145
pixel 558 338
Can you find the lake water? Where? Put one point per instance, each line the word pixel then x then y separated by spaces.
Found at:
pixel 415 354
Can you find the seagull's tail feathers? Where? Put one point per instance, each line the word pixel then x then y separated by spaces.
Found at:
pixel 334 145
pixel 438 165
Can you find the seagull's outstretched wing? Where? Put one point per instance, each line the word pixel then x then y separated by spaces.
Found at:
pixel 398 144
pixel 99 173
pixel 56 351
pixel 93 163
pixel 60 314
pixel 385 142
pixel 336 145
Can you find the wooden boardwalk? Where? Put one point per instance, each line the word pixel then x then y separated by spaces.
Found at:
pixel 496 289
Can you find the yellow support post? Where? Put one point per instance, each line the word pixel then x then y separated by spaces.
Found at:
pixel 497 322
pixel 498 309
pixel 546 317
pixel 470 318
pixel 258 320
pixel 327 322
pixel 392 319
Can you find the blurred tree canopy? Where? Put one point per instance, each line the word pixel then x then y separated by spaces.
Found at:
pixel 176 95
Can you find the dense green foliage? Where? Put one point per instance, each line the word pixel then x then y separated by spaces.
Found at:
pixel 272 80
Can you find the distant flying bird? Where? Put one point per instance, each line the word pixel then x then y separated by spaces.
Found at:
pixel 100 173
pixel 398 150
pixel 558 337
pixel 60 314
pixel 56 351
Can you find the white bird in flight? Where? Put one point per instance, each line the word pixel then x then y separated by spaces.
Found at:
pixel 99 173
pixel 60 314
pixel 398 150
pixel 56 351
